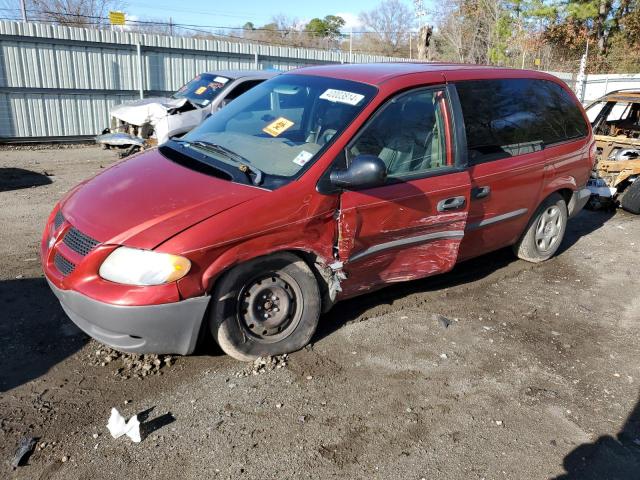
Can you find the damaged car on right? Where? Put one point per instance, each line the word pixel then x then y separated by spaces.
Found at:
pixel 615 119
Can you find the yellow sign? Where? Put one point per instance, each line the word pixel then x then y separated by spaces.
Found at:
pixel 116 18
pixel 200 90
pixel 537 62
pixel 278 126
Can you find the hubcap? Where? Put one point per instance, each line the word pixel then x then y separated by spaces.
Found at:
pixel 548 229
pixel 268 307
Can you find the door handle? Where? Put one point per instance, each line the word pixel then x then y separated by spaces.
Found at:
pixel 452 203
pixel 480 192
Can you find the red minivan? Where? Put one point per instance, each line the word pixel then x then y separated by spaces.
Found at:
pixel 315 186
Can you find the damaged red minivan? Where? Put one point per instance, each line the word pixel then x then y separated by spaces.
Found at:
pixel 315 186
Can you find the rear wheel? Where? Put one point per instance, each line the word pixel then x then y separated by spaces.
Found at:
pixel 545 231
pixel 267 306
pixel 631 199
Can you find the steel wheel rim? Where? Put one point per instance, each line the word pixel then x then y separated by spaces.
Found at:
pixel 270 307
pixel 548 228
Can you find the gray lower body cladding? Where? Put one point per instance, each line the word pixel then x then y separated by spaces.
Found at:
pixel 165 328
pixel 578 200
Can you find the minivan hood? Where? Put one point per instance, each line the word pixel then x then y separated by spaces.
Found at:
pixel 146 110
pixel 147 199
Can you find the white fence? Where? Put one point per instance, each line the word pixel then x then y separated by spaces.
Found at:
pixel 597 85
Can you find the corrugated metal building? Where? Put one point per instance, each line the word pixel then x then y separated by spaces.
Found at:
pixel 61 81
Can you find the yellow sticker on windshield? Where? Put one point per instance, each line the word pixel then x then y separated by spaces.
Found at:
pixel 278 126
pixel 201 90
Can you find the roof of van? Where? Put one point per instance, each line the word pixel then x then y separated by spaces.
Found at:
pixel 234 74
pixel 377 73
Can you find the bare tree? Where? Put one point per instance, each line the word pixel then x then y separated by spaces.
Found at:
pixel 72 12
pixel 389 25
pixel 466 29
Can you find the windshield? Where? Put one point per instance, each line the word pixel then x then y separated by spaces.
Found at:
pixel 202 89
pixel 282 125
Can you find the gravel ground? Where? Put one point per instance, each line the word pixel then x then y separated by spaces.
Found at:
pixel 499 369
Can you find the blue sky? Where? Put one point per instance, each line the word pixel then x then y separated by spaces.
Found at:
pixel 230 13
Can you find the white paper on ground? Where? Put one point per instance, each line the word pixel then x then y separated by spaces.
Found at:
pixel 118 426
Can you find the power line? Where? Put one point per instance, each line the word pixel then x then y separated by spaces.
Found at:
pixel 218 27
pixel 93 21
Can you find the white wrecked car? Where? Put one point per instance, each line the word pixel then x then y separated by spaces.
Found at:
pixel 152 121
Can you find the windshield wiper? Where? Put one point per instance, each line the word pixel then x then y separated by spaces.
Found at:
pixel 244 164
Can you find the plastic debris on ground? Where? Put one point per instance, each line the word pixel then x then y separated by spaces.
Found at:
pixel 25 447
pixel 442 320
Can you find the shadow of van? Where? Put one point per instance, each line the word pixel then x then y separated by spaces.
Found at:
pixel 35 333
pixel 609 457
pixel 465 272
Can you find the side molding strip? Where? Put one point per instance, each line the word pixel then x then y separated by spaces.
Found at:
pixel 496 219
pixel 407 241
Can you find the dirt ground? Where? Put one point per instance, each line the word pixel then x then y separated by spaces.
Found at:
pixel 536 377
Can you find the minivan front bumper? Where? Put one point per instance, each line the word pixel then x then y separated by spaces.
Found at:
pixel 165 328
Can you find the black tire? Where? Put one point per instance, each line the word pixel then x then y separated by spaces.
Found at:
pixel 544 232
pixel 282 289
pixel 631 198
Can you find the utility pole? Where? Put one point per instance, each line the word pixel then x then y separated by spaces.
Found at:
pixel 581 80
pixel 23 7
pixel 170 26
pixel 351 46
pixel 410 53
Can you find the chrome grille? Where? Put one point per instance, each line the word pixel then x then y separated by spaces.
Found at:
pixel 63 265
pixel 58 220
pixel 79 242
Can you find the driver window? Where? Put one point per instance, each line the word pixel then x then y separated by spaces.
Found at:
pixel 408 134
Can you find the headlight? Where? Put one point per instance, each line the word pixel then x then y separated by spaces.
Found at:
pixel 132 266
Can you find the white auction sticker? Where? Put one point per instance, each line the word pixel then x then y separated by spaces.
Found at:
pixel 342 96
pixel 302 158
pixel 221 80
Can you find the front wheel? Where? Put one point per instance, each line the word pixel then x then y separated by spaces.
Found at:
pixel 545 231
pixel 267 306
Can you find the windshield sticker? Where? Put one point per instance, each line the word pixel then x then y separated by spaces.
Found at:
pixel 200 90
pixel 216 85
pixel 221 80
pixel 302 158
pixel 342 96
pixel 278 126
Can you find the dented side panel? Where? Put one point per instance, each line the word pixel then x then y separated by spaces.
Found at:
pixel 395 232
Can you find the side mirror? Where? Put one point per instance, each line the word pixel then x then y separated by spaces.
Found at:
pixel 365 171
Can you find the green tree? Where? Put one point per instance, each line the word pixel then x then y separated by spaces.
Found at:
pixel 327 27
pixel 599 19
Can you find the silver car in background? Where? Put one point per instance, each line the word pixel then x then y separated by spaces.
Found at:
pixel 152 121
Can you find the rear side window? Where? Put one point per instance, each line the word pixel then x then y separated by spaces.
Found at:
pixel 509 117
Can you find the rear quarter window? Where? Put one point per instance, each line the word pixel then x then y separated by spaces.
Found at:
pixel 509 117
